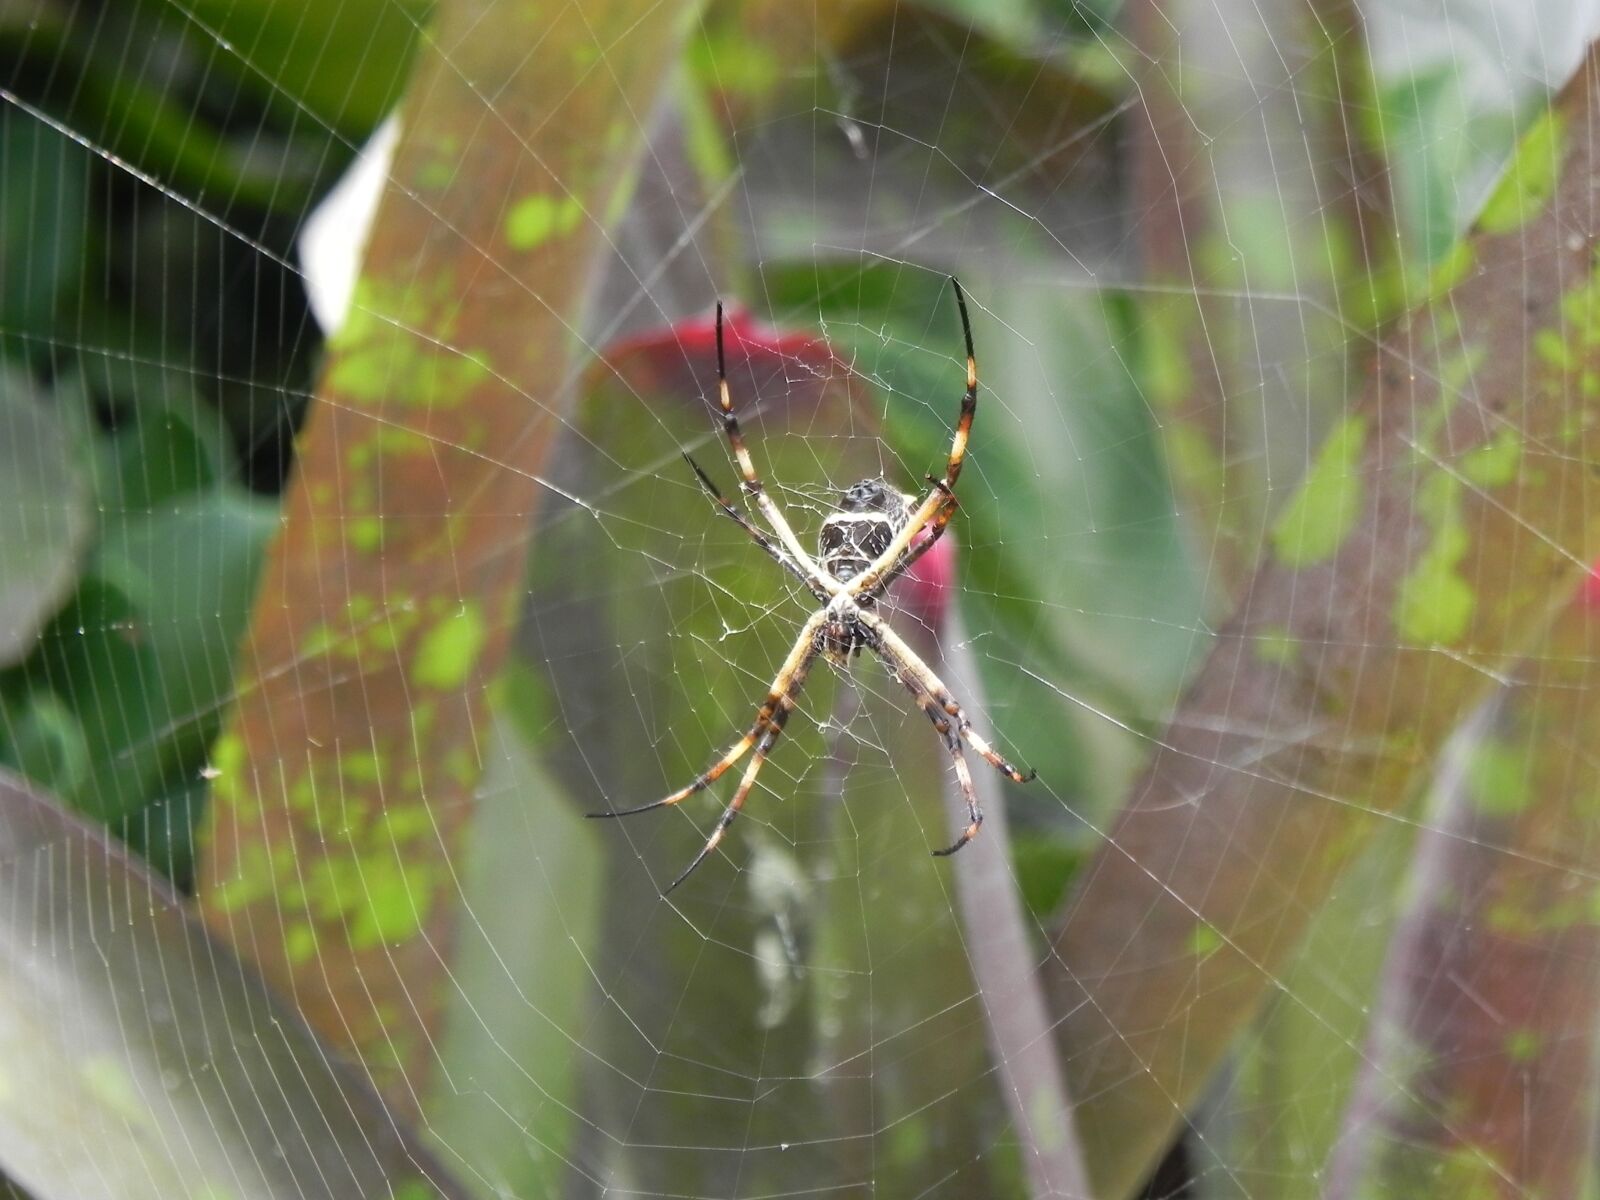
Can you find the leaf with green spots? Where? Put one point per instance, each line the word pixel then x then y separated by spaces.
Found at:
pixel 1499 775
pixel 1314 524
pixel 390 597
pixel 380 355
pixel 449 651
pixel 1435 601
pixel 1492 963
pixel 1277 646
pixel 1530 178
pixel 1496 463
pixel 535 219
pixel 1269 778
pixel 1204 940
pixel 1523 1045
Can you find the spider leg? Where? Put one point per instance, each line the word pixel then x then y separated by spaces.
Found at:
pixel 969 402
pixel 752 482
pixel 936 530
pixel 968 793
pixel 703 780
pixel 769 737
pixel 951 737
pixel 772 548
pixel 780 698
pixel 871 582
pixel 918 679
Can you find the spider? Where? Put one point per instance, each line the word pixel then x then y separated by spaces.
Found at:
pixel 871 541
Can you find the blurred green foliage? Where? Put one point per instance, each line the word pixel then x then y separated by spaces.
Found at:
pixel 156 162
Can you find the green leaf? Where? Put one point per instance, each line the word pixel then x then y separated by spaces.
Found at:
pixel 534 880
pixel 143 653
pixel 93 656
pixel 160 452
pixel 44 513
pixel 191 571
pixel 41 736
pixel 281 50
pixel 44 180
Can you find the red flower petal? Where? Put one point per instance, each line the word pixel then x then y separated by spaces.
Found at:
pixel 681 359
pixel 924 592
pixel 1589 596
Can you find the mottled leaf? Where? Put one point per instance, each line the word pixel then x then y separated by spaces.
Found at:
pixel 1337 680
pixel 1480 1072
pixel 346 781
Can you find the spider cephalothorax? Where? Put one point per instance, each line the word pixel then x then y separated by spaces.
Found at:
pixel 872 540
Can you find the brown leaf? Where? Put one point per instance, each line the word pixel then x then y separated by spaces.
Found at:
pixel 347 776
pixel 1417 559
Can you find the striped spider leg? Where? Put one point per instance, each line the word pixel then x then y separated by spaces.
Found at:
pixel 939 504
pixel 947 715
pixel 868 543
pixel 929 519
pixel 762 735
pixel 817 578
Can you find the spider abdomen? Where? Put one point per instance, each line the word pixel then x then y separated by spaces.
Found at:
pixel 870 514
pixel 851 541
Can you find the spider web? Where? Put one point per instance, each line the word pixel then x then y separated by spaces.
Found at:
pixel 1180 255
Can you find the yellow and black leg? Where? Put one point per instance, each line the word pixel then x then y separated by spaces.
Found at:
pixel 938 505
pixel 770 719
pixel 786 705
pixel 752 482
pixel 772 548
pixel 918 679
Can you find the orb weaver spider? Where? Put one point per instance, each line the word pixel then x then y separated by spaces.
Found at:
pixel 863 548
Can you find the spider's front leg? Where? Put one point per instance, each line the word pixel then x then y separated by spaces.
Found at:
pixel 817 579
pixel 939 504
pixel 933 531
pixel 777 552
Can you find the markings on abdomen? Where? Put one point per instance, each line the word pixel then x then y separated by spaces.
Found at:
pixel 849 542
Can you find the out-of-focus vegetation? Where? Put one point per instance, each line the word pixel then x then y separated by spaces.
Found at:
pixel 156 163
pixel 1279 473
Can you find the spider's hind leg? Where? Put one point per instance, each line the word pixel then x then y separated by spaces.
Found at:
pixel 948 718
pixel 968 793
pixel 736 805
pixel 773 711
pixel 918 679
pixel 958 756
